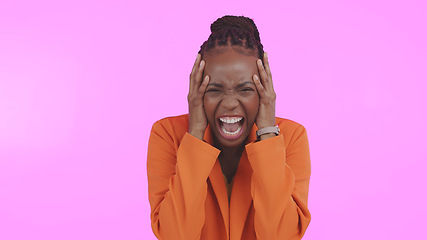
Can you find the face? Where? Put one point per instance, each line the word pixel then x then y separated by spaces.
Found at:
pixel 231 100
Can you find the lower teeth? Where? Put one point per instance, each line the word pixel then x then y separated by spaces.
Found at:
pixel 231 133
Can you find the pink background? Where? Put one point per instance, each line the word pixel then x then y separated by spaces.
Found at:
pixel 82 82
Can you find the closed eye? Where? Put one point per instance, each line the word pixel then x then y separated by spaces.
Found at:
pixel 247 90
pixel 212 90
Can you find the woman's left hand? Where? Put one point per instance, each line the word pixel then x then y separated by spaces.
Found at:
pixel 267 97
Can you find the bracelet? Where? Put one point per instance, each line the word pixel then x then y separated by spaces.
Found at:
pixel 262 131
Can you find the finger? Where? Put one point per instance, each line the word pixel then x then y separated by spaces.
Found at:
pixel 263 73
pixel 269 80
pixel 197 77
pixel 260 88
pixel 203 86
pixel 267 66
pixel 195 66
pixel 199 73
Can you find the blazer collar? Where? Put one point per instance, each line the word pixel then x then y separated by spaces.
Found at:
pixel 241 199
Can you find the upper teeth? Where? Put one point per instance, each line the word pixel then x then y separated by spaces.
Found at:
pixel 230 119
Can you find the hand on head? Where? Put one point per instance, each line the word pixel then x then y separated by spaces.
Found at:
pixel 197 116
pixel 267 102
pixel 239 87
pixel 263 112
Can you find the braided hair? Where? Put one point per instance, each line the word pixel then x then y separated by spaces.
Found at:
pixel 234 31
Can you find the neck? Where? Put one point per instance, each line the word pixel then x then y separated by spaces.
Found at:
pixel 229 151
pixel 229 158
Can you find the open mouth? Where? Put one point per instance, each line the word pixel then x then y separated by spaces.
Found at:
pixel 231 127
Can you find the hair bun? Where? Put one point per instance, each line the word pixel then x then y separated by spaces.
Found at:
pixel 234 31
pixel 240 22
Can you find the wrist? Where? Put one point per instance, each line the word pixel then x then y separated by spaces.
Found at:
pixel 267 132
pixel 197 134
pixel 266 136
pixel 266 124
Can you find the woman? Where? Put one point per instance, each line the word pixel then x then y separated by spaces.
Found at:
pixel 229 169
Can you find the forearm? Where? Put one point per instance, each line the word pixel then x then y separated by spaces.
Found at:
pixel 178 208
pixel 279 212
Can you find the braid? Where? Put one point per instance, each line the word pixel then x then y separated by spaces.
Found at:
pixel 234 31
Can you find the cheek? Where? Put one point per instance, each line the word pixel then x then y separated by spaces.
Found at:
pixel 252 104
pixel 209 105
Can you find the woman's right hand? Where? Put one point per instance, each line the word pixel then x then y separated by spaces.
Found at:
pixel 197 117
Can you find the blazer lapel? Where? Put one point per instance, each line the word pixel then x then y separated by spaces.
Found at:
pixel 217 181
pixel 241 198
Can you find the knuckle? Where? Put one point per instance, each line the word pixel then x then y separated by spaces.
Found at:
pixel 191 98
pixel 197 103
pixel 201 91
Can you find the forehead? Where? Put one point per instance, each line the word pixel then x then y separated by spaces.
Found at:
pixel 229 64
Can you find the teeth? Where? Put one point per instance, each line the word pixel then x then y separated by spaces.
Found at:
pixel 230 119
pixel 231 133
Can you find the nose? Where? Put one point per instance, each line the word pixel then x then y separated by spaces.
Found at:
pixel 229 101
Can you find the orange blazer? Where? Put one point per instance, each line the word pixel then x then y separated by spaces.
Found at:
pixel 188 195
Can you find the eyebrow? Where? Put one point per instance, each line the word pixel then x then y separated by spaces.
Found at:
pixel 215 84
pixel 238 85
pixel 245 83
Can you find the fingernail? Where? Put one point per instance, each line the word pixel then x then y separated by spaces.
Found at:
pixel 256 77
pixel 201 63
pixel 265 53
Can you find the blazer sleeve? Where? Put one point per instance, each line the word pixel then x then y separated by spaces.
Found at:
pixel 177 186
pixel 279 186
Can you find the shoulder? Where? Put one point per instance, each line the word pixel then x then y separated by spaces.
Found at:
pixel 172 122
pixel 171 128
pixel 288 126
pixel 291 130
